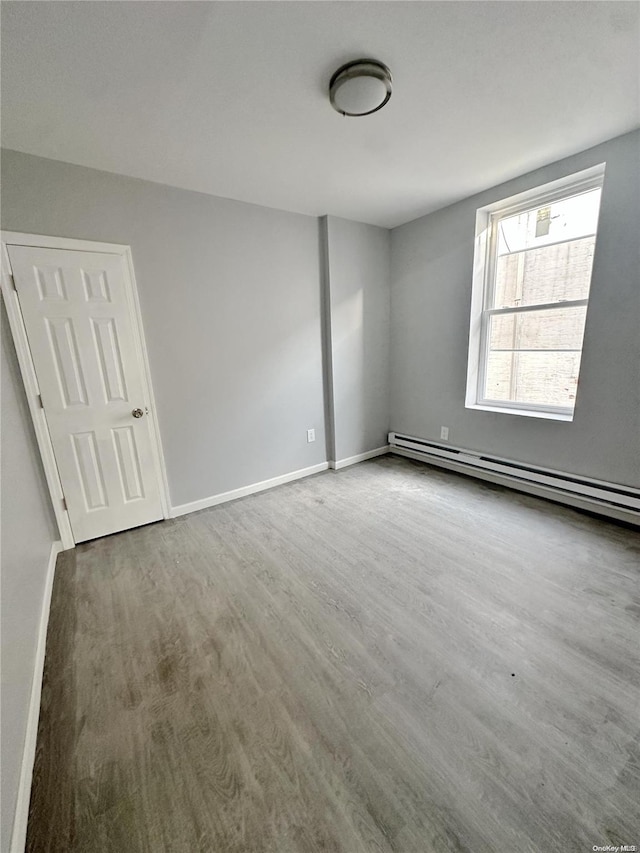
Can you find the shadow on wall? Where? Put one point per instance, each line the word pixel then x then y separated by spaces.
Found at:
pixel 349 352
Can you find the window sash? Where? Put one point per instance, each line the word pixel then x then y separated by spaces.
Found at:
pixel 488 312
pixel 491 402
pixel 538 306
pixel 536 199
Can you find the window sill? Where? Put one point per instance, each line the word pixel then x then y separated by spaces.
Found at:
pixel 527 413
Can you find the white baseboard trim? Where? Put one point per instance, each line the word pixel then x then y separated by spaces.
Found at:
pixel 351 460
pixel 21 816
pixel 223 497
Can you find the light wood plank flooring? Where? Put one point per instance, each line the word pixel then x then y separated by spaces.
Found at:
pixel 386 658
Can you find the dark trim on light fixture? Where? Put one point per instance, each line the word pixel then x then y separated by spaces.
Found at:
pixel 360 68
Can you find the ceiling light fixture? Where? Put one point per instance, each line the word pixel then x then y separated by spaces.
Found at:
pixel 360 88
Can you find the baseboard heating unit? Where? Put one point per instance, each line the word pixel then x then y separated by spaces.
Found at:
pixel 611 499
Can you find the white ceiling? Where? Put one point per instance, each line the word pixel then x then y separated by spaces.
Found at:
pixel 230 98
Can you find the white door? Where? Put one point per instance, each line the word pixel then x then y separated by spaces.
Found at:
pixel 86 351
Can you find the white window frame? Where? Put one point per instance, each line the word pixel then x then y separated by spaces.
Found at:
pixel 483 283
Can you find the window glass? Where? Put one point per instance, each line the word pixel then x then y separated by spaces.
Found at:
pixel 540 378
pixel 544 274
pixel 566 219
pixel 534 357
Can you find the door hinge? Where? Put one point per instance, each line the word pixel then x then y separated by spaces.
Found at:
pixel 64 504
pixel 13 282
pixel 40 403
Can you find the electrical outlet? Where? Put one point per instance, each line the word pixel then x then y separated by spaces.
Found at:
pixel 444 433
pixel 311 435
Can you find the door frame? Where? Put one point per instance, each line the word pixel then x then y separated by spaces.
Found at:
pixel 30 379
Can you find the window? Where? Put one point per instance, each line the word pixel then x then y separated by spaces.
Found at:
pixel 532 274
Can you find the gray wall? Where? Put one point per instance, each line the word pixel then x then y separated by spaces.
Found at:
pixel 230 296
pixel 27 532
pixel 358 281
pixel 430 302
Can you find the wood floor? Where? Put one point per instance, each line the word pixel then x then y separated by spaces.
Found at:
pixel 386 658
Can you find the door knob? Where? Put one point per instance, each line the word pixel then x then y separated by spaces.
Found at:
pixel 137 413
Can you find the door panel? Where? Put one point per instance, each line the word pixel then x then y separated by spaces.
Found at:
pixel 82 338
pixel 64 350
pixel 128 463
pixel 89 470
pixel 111 368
